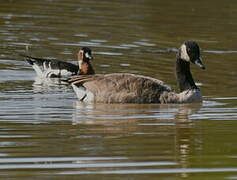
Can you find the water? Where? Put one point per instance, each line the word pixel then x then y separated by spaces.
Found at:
pixel 46 132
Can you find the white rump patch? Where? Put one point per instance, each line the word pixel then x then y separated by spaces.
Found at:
pixel 83 94
pixel 183 54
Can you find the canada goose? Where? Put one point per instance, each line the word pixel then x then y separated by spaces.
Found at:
pixel 131 88
pixel 56 69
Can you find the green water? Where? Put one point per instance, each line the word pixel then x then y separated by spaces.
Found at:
pixel 46 133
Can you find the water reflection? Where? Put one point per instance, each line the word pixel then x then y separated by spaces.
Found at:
pixel 109 112
pixel 42 82
pixel 174 119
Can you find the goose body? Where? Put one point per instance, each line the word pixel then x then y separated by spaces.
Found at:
pixel 131 88
pixel 51 68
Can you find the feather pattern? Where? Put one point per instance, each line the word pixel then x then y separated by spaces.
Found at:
pixel 121 88
pixel 51 68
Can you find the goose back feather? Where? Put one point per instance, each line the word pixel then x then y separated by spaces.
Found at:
pixel 120 88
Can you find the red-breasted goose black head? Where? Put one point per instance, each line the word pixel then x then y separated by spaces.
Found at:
pixel 51 68
pixel 131 88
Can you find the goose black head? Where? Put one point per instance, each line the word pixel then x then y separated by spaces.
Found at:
pixel 190 52
pixel 85 54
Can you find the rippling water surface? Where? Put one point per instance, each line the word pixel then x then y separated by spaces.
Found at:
pixel 46 132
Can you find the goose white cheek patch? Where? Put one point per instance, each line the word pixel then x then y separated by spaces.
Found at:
pixel 87 55
pixel 184 55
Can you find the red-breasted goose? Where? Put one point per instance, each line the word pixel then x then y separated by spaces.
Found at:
pixel 50 68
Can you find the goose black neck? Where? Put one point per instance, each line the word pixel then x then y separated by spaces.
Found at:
pixel 184 76
pixel 91 70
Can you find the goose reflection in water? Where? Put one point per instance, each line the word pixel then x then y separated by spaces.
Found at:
pixel 49 85
pixel 168 127
pixel 101 113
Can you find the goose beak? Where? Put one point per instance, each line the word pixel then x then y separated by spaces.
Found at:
pixel 88 56
pixel 199 63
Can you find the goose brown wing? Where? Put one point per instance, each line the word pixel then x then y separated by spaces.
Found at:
pixel 79 80
pixel 122 87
